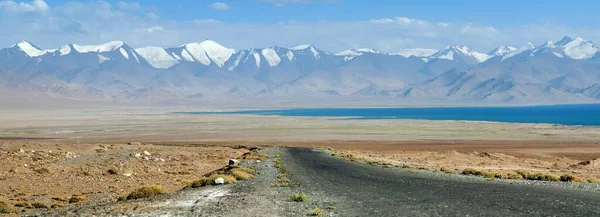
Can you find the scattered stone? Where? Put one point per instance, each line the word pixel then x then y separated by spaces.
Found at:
pixel 595 163
pixel 21 151
pixel 127 174
pixel 233 162
pixel 162 160
pixel 135 143
pixel 219 181
pixel 70 155
pixel 147 153
pixel 136 155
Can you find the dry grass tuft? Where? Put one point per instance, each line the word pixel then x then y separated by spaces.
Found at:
pixel 204 181
pixel 77 199
pixel 315 212
pixel 283 180
pixel 594 181
pixel 302 197
pixel 147 191
pixel 569 178
pixel 446 170
pixel 40 205
pixel 6 208
pixel 240 174
pixel 61 198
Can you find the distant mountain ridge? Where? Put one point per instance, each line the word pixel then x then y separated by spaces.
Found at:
pixel 565 71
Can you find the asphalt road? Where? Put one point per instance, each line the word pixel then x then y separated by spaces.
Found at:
pixel 359 189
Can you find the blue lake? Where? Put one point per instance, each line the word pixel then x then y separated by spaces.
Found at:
pixel 586 114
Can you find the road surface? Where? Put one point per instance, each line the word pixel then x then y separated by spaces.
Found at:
pixel 364 190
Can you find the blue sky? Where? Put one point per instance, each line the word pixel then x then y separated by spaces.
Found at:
pixel 331 25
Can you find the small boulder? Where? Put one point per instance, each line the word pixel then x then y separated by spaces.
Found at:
pixel 219 181
pixel 233 162
pixel 147 153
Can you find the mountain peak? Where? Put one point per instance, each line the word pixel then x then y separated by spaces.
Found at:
pixel 501 51
pixel 451 50
pixel 106 47
pixel 301 47
pixel 356 52
pixel 417 52
pixel 30 49
pixel 206 52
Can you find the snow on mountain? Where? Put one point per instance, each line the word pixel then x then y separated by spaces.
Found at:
pixel 501 51
pixel 577 48
pixel 110 46
pixel 528 47
pixel 460 53
pixel 205 52
pixel 30 49
pixel 303 49
pixel 354 52
pixel 417 52
pixel 157 57
pixel 564 71
pixel 271 56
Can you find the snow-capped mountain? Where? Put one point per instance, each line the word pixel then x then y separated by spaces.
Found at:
pixel 564 71
pixel 417 52
pixel 460 54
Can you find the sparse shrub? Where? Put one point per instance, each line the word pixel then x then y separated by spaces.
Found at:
pixel 57 205
pixel 514 176
pixel 40 205
pixel 283 180
pixel 569 178
pixel 204 181
pixel 145 192
pixel 331 207
pixel 77 199
pixel 6 208
pixel 315 212
pixel 240 174
pixel 543 177
pixel 61 198
pixel 302 197
pixel 471 171
pixel 245 169
pixel 446 170
pixel 23 204
pixel 592 180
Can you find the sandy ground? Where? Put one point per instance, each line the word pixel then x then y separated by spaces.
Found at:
pixel 51 173
pixel 61 153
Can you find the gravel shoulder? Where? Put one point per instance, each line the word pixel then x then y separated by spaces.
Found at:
pixel 339 187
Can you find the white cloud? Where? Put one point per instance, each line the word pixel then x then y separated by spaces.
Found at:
pixel 206 21
pixel 129 5
pixel 281 3
pixel 39 6
pixel 219 6
pixel 94 22
pixel 400 21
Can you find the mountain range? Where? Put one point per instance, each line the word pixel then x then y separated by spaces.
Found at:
pixel 565 71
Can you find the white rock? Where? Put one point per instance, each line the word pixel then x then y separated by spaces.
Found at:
pixel 233 162
pixel 21 150
pixel 219 181
pixel 127 174
pixel 147 153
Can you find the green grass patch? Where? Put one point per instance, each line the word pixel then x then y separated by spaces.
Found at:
pixel 301 197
